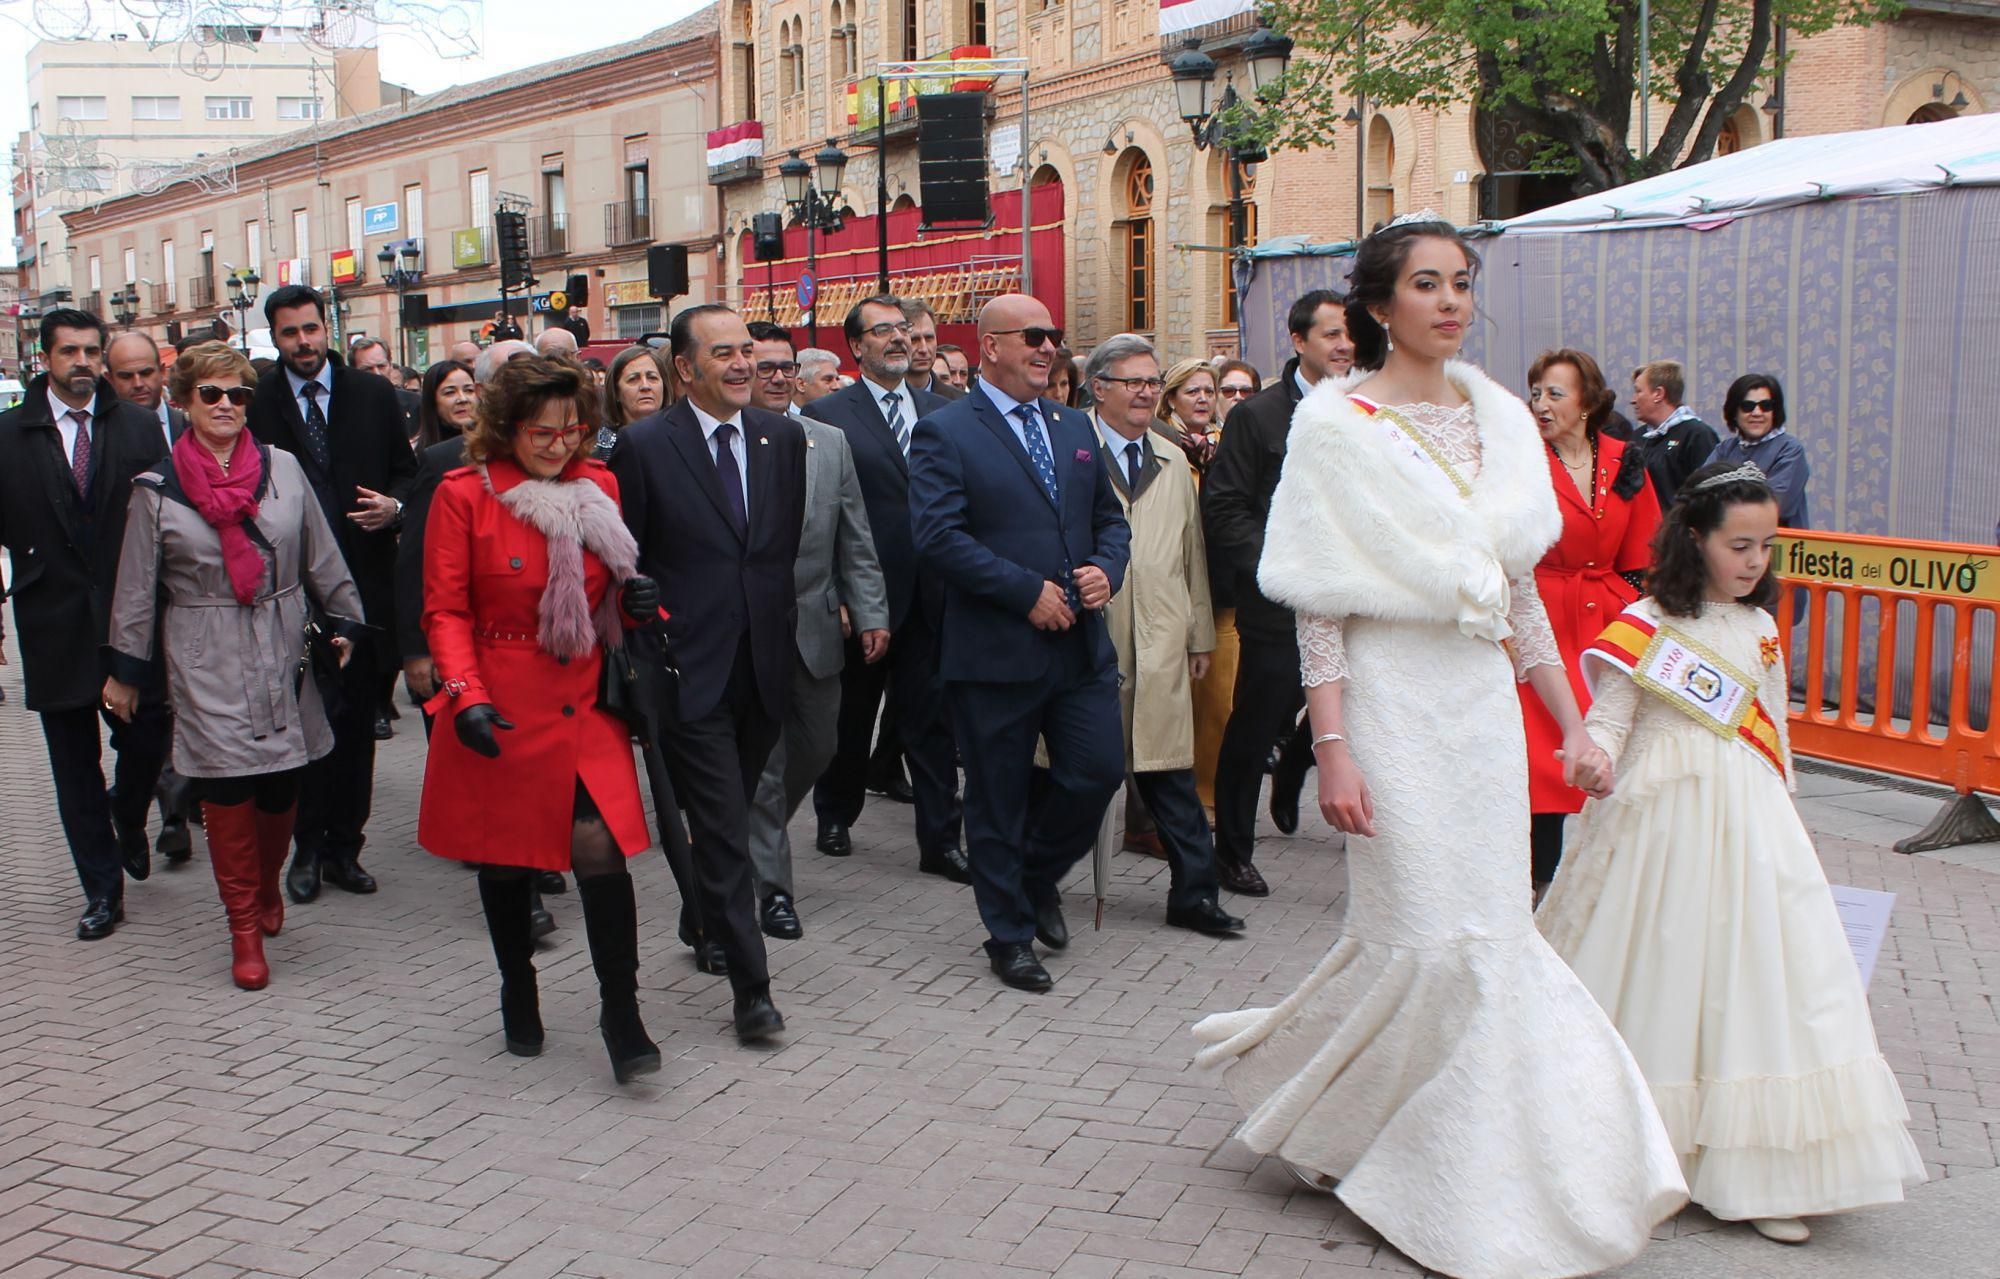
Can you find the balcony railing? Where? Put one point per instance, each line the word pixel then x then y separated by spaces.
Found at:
pixel 628 222
pixel 93 304
pixel 200 295
pixel 741 169
pixel 548 235
pixel 1216 37
pixel 163 301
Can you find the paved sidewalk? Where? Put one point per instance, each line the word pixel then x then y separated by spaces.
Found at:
pixel 360 1118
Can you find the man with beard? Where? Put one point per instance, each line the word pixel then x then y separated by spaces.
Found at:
pixel 346 429
pixel 878 414
pixel 68 452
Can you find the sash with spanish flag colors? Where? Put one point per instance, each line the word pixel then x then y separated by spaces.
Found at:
pixel 1691 679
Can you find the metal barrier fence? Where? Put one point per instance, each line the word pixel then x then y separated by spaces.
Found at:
pixel 1898 666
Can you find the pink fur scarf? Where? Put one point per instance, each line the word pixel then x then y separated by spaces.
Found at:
pixel 574 515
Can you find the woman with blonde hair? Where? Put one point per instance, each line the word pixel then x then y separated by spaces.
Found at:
pixel 1190 416
pixel 223 545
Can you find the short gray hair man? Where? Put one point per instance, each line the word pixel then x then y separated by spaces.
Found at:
pixel 818 367
pixel 494 356
pixel 1114 349
pixel 555 343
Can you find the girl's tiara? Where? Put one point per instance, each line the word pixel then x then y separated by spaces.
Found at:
pixel 1748 473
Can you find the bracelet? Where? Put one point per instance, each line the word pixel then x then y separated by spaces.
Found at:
pixel 1324 738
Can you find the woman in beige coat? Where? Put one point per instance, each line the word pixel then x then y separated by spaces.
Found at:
pixel 222 546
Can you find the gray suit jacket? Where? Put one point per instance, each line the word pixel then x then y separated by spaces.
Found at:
pixel 837 562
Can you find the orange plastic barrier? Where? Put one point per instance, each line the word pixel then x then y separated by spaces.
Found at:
pixel 1950 589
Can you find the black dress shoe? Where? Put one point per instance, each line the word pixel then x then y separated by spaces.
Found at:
pixel 347 873
pixel 896 787
pixel 709 958
pixel 540 922
pixel 949 862
pixel 550 881
pixel 833 840
pixel 780 919
pixel 133 849
pixel 756 1016
pixel 100 916
pixel 384 730
pixel 302 879
pixel 1205 917
pixel 1050 930
pixel 1018 967
pixel 1241 878
pixel 1285 800
pixel 174 842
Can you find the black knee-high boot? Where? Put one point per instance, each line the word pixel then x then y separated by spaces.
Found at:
pixel 611 922
pixel 505 898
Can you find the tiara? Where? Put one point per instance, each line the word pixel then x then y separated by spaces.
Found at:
pixel 1406 219
pixel 1748 473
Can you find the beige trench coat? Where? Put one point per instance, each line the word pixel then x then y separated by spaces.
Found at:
pixel 240 708
pixel 1162 612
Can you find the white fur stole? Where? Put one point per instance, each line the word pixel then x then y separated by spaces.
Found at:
pixel 1365 525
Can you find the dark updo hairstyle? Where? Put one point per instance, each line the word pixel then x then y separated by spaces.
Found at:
pixel 1598 400
pixel 1739 391
pixel 1378 264
pixel 1679 577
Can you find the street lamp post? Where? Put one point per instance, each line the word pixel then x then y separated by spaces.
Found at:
pixel 1266 54
pixel 401 267
pixel 242 289
pixel 125 306
pixel 810 190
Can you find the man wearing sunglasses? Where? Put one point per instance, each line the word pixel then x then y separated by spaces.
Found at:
pixel 878 414
pixel 347 430
pixel 1012 508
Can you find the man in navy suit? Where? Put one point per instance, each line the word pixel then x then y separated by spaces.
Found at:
pixel 1013 510
pixel 878 414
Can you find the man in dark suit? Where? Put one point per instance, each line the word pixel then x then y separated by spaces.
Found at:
pixel 878 414
pixel 68 453
pixel 1013 510
pixel 923 350
pixel 346 429
pixel 1235 502
pixel 714 490
pixel 371 355
pixel 1672 440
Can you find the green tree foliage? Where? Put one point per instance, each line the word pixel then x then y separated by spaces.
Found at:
pixel 1561 74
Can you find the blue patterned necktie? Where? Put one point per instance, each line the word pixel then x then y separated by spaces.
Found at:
pixel 892 405
pixel 1038 449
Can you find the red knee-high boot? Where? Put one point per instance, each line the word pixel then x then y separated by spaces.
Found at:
pixel 274 843
pixel 233 851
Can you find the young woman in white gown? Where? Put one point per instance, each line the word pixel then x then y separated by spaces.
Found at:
pixel 1441 1065
pixel 1693 906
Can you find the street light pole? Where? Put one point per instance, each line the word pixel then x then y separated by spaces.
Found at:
pixel 811 189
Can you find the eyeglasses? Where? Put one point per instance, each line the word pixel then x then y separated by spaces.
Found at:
pixel 887 329
pixel 543 436
pixel 1757 406
pixel 1231 391
pixel 210 393
pixel 1134 385
pixel 765 368
pixel 1034 335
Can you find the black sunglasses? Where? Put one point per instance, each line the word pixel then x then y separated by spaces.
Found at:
pixel 1757 406
pixel 1034 335
pixel 210 393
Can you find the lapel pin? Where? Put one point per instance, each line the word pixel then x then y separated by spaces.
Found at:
pixel 763 439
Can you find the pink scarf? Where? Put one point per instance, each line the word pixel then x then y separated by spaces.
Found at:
pixel 226 499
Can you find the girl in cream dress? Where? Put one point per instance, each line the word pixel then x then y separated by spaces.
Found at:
pixel 1693 906
pixel 1440 1070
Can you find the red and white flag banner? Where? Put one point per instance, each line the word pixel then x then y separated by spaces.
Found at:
pixel 737 142
pixel 1177 16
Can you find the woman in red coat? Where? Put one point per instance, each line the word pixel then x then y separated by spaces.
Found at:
pixel 529 574
pixel 1593 571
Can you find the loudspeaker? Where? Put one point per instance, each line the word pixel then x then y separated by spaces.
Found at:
pixel 667 270
pixel 173 332
pixel 767 237
pixel 951 157
pixel 510 227
pixel 578 288
pixel 416 310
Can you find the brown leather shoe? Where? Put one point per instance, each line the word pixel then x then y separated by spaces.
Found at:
pixel 1241 878
pixel 1145 842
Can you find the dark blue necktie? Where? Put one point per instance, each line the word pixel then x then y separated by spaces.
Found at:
pixel 732 480
pixel 316 436
pixel 1038 449
pixel 1132 467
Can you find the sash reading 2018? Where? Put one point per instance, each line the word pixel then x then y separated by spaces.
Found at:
pixel 1959 572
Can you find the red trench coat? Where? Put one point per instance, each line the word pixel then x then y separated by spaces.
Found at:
pixel 484 572
pixel 1579 583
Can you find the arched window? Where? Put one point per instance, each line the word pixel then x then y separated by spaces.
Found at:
pixel 744 46
pixel 1381 172
pixel 1137 227
pixel 975 21
pixel 1932 113
pixel 841 32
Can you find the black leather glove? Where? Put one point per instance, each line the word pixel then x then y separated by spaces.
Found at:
pixel 639 599
pixel 475 725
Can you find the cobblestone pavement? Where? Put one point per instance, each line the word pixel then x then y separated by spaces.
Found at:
pixel 360 1117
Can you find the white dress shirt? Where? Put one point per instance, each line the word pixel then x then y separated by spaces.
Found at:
pixel 738 446
pixel 905 405
pixel 1007 404
pixel 67 424
pixel 1114 446
pixel 325 380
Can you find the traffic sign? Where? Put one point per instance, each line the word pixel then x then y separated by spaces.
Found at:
pixel 558 301
pixel 808 290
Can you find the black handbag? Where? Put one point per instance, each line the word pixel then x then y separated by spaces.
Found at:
pixel 640 684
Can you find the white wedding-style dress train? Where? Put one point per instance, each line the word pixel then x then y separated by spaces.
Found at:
pixel 1468 1095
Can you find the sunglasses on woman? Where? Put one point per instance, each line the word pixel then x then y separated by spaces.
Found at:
pixel 210 393
pixel 1229 392
pixel 1757 406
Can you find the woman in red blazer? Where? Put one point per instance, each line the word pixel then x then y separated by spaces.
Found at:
pixel 1593 571
pixel 529 574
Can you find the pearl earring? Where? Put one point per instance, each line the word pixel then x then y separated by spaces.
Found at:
pixel 1388 343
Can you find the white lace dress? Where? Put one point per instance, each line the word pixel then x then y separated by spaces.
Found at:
pixel 1692 904
pixel 1470 1097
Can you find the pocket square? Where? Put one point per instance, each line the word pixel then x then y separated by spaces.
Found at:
pixel 1083 455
